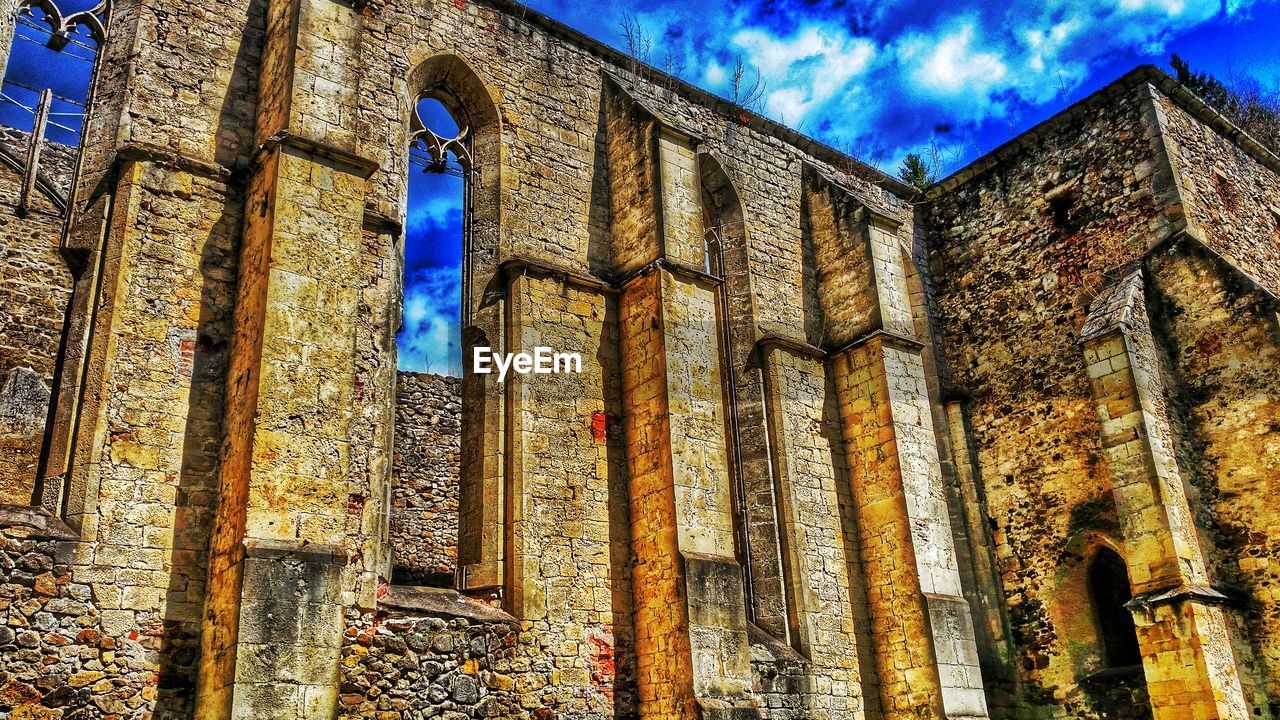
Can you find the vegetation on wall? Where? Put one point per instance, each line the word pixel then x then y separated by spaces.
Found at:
pixel 1242 99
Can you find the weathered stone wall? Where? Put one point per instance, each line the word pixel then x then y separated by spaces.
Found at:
pixel 59 654
pixel 424 495
pixel 227 475
pixel 1018 253
pixel 35 284
pixel 1022 248
pixel 1222 345
pixel 411 664
pixel 1232 198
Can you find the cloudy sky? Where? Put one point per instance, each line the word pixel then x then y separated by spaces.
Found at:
pixel 885 77
pixel 966 74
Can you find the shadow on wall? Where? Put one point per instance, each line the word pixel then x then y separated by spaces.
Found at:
pixel 209 358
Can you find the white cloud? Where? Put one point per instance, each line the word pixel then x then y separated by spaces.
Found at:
pixel 433 210
pixel 715 75
pixel 429 340
pixel 952 62
pixel 807 69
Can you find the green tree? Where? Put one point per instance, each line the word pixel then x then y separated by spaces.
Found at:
pixel 917 173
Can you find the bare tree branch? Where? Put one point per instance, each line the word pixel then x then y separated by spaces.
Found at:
pixel 748 95
pixel 639 41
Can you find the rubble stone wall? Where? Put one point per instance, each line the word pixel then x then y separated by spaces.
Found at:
pixel 1223 345
pixel 424 495
pixel 239 384
pixel 1018 252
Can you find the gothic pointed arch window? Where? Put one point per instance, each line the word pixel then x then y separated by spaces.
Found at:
pixel 448 517
pixel 1109 590
pixel 436 240
pixel 49 70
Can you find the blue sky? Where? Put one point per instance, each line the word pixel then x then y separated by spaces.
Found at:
pixel 898 75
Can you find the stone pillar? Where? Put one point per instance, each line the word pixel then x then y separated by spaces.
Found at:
pixel 926 655
pixel 1182 630
pixel 8 24
pixel 691 639
pixel 979 575
pixel 804 438
pixel 292 507
pixel 692 652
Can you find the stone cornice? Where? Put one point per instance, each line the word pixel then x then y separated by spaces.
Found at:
pixel 305 552
pixel 885 336
pixel 145 152
pixel 519 265
pixel 38 522
pixel 675 268
pixel 800 348
pixel 1177 593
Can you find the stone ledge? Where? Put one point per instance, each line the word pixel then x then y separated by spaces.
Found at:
pixel 796 346
pixel 520 265
pixel 306 552
pixel 1169 595
pixel 38 521
pixel 441 602
pixel 344 159
pixel 766 648
pixel 885 336
pixel 675 268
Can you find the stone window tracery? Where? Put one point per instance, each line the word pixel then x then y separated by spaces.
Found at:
pixel 447 151
pixel 62 25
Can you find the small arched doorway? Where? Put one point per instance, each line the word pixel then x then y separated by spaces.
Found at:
pixel 1110 593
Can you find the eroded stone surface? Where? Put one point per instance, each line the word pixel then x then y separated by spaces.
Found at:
pixel 847 457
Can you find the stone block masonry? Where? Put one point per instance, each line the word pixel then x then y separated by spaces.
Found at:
pixel 836 450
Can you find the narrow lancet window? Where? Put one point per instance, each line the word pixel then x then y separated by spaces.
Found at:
pixel 429 344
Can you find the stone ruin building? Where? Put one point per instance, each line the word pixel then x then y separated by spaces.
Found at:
pixel 839 449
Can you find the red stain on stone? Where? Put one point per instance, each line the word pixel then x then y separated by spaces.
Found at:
pixel 603 662
pixel 599 425
pixel 355 504
pixel 1209 344
pixel 459 4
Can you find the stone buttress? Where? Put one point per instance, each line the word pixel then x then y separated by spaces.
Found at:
pixel 1183 630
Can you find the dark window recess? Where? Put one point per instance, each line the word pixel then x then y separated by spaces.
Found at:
pixel 1065 210
pixel 1109 586
pixel 413 578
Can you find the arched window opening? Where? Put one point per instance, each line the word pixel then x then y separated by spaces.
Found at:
pixel 430 339
pixel 429 408
pixel 48 56
pixel 1109 588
